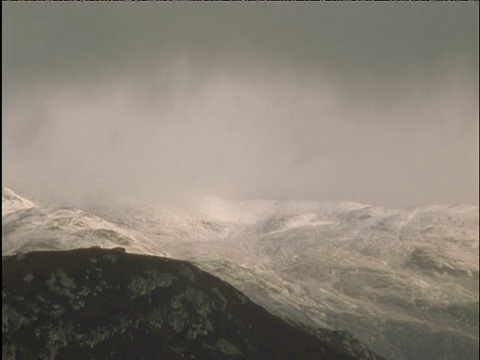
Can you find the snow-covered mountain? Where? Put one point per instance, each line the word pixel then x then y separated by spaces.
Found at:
pixel 12 202
pixel 405 282
pixel 27 227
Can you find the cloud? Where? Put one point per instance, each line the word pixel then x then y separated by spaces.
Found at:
pixel 332 102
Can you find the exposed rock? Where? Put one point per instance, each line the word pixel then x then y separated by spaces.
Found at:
pixel 143 307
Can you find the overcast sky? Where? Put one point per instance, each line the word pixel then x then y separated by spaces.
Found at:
pixel 369 102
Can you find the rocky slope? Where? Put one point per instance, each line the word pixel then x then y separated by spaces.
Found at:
pixel 106 304
pixel 403 281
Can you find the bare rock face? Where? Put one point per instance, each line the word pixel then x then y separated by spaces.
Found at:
pixel 107 304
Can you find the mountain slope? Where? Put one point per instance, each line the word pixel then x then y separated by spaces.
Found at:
pixel 12 202
pixel 403 281
pixel 27 227
pixel 106 304
pixel 411 272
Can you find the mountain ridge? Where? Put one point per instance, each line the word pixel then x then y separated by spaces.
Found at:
pixel 108 304
pixel 413 272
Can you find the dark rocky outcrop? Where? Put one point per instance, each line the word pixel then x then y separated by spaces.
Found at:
pixel 107 304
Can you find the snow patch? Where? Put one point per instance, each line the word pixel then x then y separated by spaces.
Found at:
pixel 12 202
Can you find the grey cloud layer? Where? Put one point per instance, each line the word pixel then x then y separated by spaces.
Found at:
pixel 372 103
pixel 383 39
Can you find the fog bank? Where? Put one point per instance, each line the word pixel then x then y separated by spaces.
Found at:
pixel 166 102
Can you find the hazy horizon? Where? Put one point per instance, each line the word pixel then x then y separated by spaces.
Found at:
pixel 361 102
